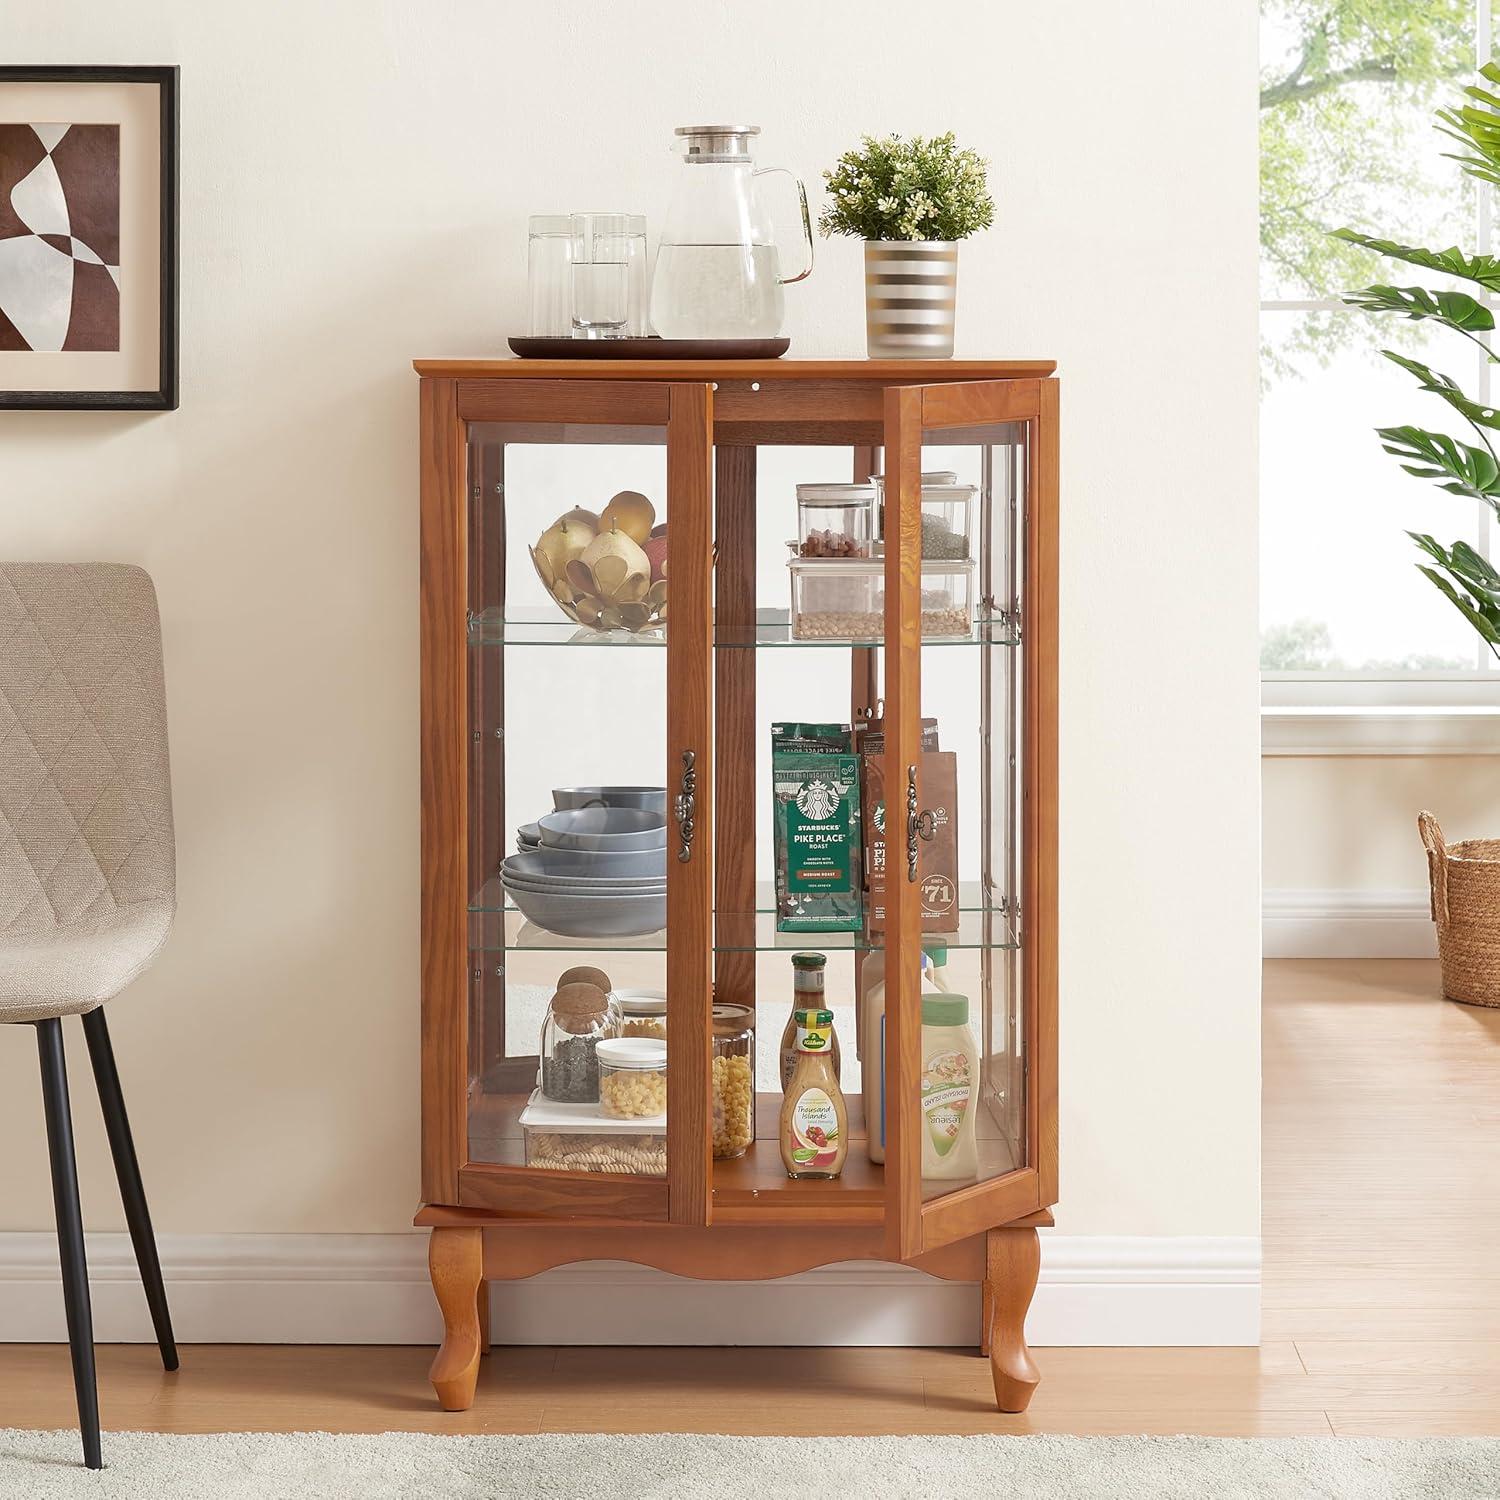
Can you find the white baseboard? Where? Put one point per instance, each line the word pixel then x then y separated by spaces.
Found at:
pixel 373 1289
pixel 1347 924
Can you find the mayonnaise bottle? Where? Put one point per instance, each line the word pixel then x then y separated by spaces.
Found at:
pixel 950 1089
pixel 872 1035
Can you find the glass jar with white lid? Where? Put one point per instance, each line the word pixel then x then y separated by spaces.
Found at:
pixel 835 520
pixel 632 1078
pixel 946 505
pixel 643 1013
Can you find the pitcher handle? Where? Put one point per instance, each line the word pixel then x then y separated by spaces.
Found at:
pixel 807 234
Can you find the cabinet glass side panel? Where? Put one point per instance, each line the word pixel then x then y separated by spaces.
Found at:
pixel 567 796
pixel 973 1074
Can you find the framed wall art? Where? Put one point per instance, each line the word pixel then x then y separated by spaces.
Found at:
pixel 88 238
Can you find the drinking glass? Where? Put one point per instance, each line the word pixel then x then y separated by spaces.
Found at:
pixel 549 281
pixel 600 299
pixel 609 275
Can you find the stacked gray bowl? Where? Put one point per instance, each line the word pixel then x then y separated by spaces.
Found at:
pixel 596 865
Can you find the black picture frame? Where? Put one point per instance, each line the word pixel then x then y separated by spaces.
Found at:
pixel 165 396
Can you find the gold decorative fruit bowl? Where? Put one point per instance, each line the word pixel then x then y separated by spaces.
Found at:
pixel 607 571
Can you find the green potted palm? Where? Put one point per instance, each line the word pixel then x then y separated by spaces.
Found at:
pixel 1465 578
pixel 1465 876
pixel 911 201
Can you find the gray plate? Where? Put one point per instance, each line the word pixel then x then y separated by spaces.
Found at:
pixel 585 866
pixel 573 886
pixel 592 916
pixel 649 798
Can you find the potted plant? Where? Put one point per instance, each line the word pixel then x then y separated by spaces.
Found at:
pixel 910 201
pixel 1465 877
pixel 1466 579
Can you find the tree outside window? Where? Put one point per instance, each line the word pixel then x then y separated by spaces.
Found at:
pixel 1348 92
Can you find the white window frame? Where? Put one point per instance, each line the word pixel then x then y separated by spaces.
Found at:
pixel 1393 713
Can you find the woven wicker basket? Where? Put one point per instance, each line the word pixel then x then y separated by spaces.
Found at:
pixel 1466 907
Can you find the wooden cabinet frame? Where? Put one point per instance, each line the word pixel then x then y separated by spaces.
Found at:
pixel 492 1221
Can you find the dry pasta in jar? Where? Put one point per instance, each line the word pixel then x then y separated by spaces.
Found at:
pixel 632 1078
pixel 733 1079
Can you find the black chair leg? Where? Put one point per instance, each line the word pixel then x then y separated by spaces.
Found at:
pixel 70 1234
pixel 128 1171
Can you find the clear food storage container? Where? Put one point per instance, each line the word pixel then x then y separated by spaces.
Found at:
pixel 733 1079
pixel 946 506
pixel 578 1138
pixel 835 520
pixel 579 1016
pixel 643 1013
pixel 844 599
pixel 633 1078
pixel 834 597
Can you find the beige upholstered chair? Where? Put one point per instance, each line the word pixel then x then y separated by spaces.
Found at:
pixel 87 870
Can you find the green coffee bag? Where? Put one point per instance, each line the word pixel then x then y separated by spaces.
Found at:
pixel 819 867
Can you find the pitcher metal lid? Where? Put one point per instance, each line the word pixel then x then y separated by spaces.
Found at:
pixel 717 142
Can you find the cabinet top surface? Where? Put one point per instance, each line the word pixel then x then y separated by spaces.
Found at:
pixel 889 371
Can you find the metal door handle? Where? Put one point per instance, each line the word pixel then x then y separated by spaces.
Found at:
pixel 684 805
pixel 919 825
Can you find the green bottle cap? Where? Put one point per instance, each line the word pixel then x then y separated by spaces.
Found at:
pixel 809 960
pixel 937 950
pixel 945 1010
pixel 818 1017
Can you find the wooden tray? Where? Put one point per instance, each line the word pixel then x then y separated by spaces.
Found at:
pixel 648 348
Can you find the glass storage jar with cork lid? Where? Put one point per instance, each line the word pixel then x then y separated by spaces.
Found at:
pixel 733 1079
pixel 579 1017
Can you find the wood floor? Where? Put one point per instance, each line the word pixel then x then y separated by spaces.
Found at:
pixel 1382 1291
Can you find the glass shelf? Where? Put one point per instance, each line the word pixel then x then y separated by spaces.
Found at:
pixel 772 628
pixel 981 924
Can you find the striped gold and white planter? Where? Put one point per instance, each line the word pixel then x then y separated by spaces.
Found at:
pixel 911 295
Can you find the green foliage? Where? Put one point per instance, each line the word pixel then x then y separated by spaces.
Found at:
pixel 1459 468
pixel 1468 582
pixel 1456 310
pixel 1462 576
pixel 1341 86
pixel 1476 127
pixel 1475 413
pixel 918 189
pixel 1484 269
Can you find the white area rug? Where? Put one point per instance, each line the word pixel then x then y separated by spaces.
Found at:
pixel 319 1466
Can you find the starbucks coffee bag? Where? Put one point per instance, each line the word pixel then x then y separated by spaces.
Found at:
pixel 819 866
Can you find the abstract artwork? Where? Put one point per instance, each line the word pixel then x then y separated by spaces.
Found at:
pixel 88 238
pixel 59 236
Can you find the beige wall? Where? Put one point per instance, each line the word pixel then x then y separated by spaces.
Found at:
pixel 355 185
pixel 1349 823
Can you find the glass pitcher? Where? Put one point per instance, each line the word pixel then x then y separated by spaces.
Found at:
pixel 718 272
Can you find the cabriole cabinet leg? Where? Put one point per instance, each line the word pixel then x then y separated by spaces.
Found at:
pixel 1012 1259
pixel 455 1258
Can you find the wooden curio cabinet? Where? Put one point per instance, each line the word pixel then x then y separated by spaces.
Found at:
pixel 517 699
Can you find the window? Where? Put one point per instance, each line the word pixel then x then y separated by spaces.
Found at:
pixel 1348 93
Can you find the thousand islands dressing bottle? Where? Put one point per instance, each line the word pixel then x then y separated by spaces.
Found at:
pixel 814 1122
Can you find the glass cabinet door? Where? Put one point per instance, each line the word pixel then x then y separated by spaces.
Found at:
pixel 589 561
pixel 970 806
